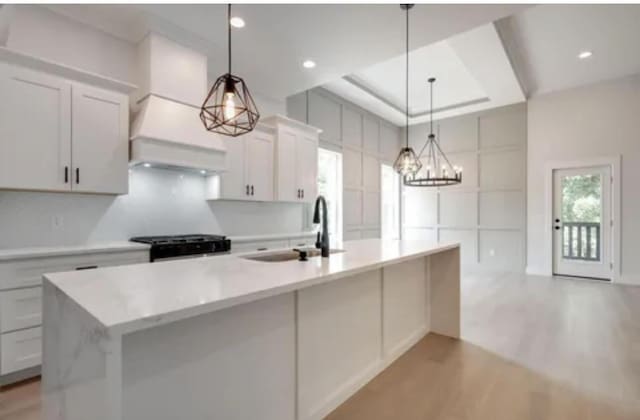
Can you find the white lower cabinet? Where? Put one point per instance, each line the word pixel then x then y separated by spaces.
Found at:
pixel 21 304
pixel 20 350
pixel 20 308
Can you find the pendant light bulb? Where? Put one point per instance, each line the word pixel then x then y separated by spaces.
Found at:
pixel 229 106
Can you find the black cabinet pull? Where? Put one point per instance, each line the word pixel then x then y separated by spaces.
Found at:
pixel 88 267
pixel 247 189
pixel 77 175
pixel 252 190
pixel 66 174
pixel 298 193
pixel 302 193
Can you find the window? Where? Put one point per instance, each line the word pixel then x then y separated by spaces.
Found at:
pixel 330 186
pixel 390 212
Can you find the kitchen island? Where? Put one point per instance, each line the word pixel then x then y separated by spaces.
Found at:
pixel 228 337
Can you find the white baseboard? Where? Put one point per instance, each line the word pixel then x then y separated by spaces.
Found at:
pixel 537 271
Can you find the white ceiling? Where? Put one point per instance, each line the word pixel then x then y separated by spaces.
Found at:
pixel 268 52
pixel 546 39
pixel 472 72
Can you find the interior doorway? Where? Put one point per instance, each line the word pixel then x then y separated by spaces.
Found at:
pixel 582 222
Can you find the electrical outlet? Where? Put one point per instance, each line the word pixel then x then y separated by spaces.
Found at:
pixel 492 252
pixel 57 222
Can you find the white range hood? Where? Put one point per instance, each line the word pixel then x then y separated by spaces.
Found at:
pixel 166 129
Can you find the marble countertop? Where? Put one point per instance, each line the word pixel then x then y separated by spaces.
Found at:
pixel 58 251
pixel 135 297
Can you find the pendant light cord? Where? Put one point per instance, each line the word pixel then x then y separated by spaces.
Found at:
pixel 229 33
pixel 407 81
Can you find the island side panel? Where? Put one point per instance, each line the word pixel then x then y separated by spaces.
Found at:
pixel 339 341
pixel 405 306
pixel 81 363
pixel 444 277
pixel 233 364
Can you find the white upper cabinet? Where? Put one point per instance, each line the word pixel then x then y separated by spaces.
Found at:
pixel 259 146
pixel 249 168
pixel 307 166
pixel 100 147
pixel 296 160
pixel 35 130
pixel 58 135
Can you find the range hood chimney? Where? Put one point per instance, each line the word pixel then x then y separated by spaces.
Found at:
pixel 166 130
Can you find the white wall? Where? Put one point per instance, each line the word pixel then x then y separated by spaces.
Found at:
pixel 159 202
pixel 486 213
pixel 586 122
pixel 40 32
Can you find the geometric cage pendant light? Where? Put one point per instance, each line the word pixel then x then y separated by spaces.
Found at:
pixel 407 163
pixel 229 108
pixel 436 171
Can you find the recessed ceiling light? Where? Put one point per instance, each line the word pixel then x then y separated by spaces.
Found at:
pixel 147 165
pixel 584 54
pixel 237 22
pixel 308 64
pixel 203 172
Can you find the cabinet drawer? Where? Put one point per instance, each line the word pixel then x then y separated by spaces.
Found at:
pixel 20 350
pixel 20 308
pixel 28 272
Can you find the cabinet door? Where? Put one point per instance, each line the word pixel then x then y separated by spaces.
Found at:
pixel 260 165
pixel 233 181
pixel 307 166
pixel 100 144
pixel 35 130
pixel 287 183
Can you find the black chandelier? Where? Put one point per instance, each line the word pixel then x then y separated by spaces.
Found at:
pixel 407 162
pixel 229 108
pixel 436 171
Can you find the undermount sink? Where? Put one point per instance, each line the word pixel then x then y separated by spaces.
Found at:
pixel 288 255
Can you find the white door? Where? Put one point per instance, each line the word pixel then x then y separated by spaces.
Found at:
pixel 260 166
pixel 582 222
pixel 100 144
pixel 307 167
pixel 233 183
pixel 35 130
pixel 288 188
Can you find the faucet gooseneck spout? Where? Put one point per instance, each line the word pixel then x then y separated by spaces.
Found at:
pixel 323 240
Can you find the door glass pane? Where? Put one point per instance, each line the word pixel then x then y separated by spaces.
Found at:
pixel 582 217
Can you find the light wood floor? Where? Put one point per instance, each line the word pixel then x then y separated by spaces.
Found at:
pixel 533 348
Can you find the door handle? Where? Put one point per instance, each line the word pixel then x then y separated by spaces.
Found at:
pixel 298 192
pixel 252 190
pixel 66 174
pixel 77 175
pixel 302 193
pixel 557 220
pixel 557 227
pixel 247 192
